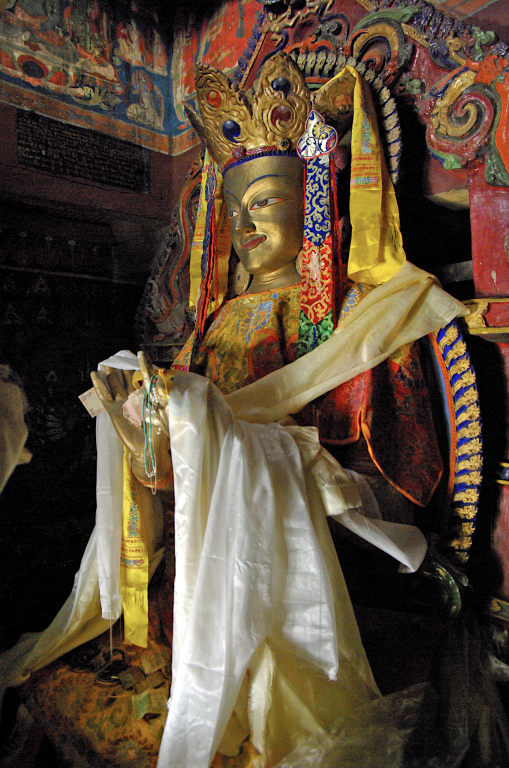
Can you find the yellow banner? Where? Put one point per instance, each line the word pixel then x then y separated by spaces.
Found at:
pixel 198 238
pixel 376 250
pixel 134 560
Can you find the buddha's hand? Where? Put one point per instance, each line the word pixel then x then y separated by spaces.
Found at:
pixel 148 445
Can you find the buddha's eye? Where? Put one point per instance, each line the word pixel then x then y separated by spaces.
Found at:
pixel 232 213
pixel 264 203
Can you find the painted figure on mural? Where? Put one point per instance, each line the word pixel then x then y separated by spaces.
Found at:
pixel 312 361
pixel 128 41
pixel 77 48
pixel 145 103
pixel 195 45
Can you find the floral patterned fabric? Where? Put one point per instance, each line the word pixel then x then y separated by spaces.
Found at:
pixel 93 726
pixel 387 406
pixel 250 336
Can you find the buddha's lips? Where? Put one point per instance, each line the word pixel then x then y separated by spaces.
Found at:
pixel 250 244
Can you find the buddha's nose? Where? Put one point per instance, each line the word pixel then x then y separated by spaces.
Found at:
pixel 244 221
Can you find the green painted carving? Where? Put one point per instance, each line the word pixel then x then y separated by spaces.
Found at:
pixel 481 38
pixel 400 15
pixel 496 174
pixel 450 161
pixel 413 86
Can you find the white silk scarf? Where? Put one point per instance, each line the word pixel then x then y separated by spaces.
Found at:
pixel 250 500
pixel 110 453
pixel 400 311
pixel 254 570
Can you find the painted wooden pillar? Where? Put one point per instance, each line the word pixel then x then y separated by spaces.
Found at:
pixel 489 215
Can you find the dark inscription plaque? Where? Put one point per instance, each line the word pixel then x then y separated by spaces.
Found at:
pixel 67 150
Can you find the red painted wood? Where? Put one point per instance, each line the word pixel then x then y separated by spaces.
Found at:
pixel 489 216
pixel 497 315
pixel 437 180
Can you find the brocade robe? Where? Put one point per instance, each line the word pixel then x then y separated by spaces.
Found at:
pixel 385 411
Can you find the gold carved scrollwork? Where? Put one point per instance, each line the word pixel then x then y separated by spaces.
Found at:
pixel 469 496
pixel 471 413
pixel 471 478
pixel 462 543
pixel 219 102
pixel 266 101
pixel 474 446
pixel 334 101
pixel 468 398
pixel 448 338
pixel 455 44
pixel 460 118
pixel 457 351
pixel 460 367
pixel 473 463
pixel 466 380
pixel 475 319
pixel 442 118
pixel 468 512
pixel 471 430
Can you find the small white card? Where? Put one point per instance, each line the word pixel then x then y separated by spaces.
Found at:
pixel 91 402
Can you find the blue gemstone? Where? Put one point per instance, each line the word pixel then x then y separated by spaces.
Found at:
pixel 282 84
pixel 231 130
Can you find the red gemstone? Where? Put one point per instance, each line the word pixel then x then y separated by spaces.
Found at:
pixel 214 99
pixel 281 114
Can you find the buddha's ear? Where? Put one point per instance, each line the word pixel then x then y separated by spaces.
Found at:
pixel 334 101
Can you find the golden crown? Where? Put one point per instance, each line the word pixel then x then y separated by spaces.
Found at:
pixel 236 125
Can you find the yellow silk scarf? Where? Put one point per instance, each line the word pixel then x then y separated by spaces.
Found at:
pixel 134 560
pixel 376 250
pixel 134 555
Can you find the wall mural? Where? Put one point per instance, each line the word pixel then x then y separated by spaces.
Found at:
pixel 88 63
pixel 106 66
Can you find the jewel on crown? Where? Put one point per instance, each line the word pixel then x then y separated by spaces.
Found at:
pixel 270 118
pixel 236 125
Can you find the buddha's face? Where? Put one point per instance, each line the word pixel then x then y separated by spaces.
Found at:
pixel 265 204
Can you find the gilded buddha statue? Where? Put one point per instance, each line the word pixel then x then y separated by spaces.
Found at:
pixel 298 397
pixel 299 353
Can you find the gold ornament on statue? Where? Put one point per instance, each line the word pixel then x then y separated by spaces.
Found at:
pixel 272 117
pixel 237 125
